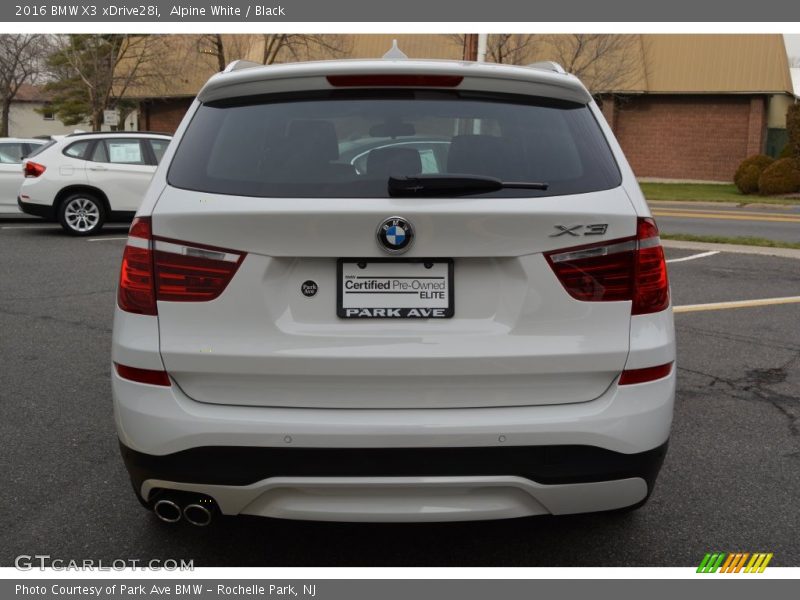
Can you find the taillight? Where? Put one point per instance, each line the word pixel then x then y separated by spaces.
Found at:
pixel 651 288
pixel 136 293
pixel 33 169
pixel 192 273
pixel 627 269
pixel 399 80
pixel 155 268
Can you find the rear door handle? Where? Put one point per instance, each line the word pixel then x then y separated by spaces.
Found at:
pixel 98 168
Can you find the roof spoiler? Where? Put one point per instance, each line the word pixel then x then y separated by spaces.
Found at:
pixel 548 65
pixel 238 65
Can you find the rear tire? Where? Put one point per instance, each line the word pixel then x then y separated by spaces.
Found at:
pixel 81 214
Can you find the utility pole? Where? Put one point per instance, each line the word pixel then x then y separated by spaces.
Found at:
pixel 471 46
pixel 483 46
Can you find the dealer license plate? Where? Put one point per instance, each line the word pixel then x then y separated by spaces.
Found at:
pixel 394 288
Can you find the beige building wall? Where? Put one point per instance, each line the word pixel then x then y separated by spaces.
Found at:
pixel 24 121
pixel 776 110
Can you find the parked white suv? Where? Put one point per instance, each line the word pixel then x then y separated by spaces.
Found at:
pixel 306 335
pixel 12 151
pixel 85 179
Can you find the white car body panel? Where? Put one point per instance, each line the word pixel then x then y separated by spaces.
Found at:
pixel 123 184
pixel 521 364
pixel 160 421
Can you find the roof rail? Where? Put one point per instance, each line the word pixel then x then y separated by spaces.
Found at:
pixel 82 133
pixel 238 65
pixel 548 65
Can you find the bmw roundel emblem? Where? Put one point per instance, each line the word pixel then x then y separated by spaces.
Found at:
pixel 395 235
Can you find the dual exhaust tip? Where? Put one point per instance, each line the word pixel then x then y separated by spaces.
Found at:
pixel 199 513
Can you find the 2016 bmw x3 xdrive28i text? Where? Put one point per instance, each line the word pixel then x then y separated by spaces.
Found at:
pixel 393 290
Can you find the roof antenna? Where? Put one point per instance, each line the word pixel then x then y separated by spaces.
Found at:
pixel 395 53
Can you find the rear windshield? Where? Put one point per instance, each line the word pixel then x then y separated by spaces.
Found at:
pixel 39 148
pixel 335 144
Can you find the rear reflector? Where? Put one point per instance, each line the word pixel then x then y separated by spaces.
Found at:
pixel 395 80
pixel 633 376
pixel 156 268
pixel 624 269
pixel 147 376
pixel 33 169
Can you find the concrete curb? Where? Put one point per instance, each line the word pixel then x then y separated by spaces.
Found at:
pixel 735 248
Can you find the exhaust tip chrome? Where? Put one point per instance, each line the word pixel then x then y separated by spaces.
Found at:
pixel 197 514
pixel 167 511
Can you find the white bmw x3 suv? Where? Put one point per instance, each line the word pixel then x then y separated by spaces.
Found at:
pixel 393 290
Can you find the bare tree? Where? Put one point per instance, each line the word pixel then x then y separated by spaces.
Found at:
pixel 279 47
pixel 507 48
pixel 511 48
pixel 270 48
pixel 21 58
pixel 225 48
pixel 603 62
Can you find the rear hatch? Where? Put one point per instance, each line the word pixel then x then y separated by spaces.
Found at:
pixel 334 292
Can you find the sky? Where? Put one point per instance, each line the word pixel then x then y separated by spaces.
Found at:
pixel 792 44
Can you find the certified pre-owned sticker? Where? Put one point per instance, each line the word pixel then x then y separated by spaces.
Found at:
pixel 395 290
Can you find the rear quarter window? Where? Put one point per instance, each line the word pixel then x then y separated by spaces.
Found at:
pixel 39 148
pixel 77 149
pixel 347 144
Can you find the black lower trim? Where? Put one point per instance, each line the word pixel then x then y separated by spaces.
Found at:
pixel 48 212
pixel 37 210
pixel 234 465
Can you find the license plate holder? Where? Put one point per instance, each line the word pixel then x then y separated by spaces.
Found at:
pixel 394 288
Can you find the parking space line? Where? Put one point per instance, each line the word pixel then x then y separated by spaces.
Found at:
pixel 736 304
pixel 736 211
pixel 106 239
pixel 726 216
pixel 693 256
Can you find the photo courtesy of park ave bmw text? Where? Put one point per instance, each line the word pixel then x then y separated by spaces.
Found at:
pixel 395 287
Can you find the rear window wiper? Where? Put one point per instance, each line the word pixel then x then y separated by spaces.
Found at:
pixel 454 185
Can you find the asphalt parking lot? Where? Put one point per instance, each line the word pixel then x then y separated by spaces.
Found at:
pixel 731 481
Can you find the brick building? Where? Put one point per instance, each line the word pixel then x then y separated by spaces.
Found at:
pixel 690 107
pixel 701 104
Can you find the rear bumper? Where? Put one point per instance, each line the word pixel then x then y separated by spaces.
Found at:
pixel 246 465
pixel 401 484
pixel 45 211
